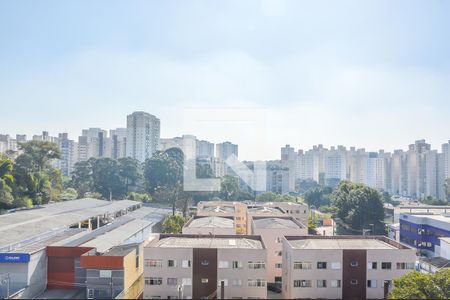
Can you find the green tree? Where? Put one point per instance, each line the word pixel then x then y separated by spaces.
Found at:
pixel 82 177
pixel 6 183
pixel 130 170
pixel 229 188
pixel 35 177
pixel 204 171
pixel 69 194
pixel 319 196
pixel 163 174
pixel 173 224
pixel 416 285
pixel 106 178
pixel 359 206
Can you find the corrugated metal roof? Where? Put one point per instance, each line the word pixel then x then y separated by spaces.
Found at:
pixel 275 223
pixel 216 222
pixel 28 224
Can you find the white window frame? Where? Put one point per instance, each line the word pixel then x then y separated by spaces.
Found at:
pixel 335 265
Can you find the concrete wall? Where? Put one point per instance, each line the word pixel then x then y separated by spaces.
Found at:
pixel 164 254
pixel 32 276
pixel 290 274
pixel 243 274
pixel 393 256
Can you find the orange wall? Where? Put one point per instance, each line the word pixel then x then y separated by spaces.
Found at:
pixel 101 262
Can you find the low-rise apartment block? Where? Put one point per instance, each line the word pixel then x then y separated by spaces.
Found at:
pixel 272 230
pixel 196 266
pixel 342 267
pixel 236 210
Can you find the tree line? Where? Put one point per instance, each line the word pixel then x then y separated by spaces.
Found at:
pixel 30 179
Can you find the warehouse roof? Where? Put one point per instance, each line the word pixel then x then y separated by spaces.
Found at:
pixel 276 223
pixel 217 222
pixel 30 225
pixel 212 242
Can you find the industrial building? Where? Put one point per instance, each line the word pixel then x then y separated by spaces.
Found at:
pixel 205 267
pixel 53 246
pixel 422 231
pixel 342 267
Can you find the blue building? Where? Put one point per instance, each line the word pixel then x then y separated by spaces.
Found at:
pixel 423 230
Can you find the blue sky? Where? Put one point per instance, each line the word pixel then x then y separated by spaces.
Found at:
pixel 373 74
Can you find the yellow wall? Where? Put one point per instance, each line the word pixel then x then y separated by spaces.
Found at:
pixel 133 277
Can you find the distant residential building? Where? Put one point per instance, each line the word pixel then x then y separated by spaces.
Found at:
pixel 68 154
pixel 205 148
pixel 277 177
pixel 342 267
pixel 225 150
pixel 289 161
pixel 143 135
pixel 92 143
pixel 118 140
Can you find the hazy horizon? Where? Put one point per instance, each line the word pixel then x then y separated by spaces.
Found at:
pixel 372 74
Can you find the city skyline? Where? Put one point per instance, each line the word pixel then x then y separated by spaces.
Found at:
pixel 355 81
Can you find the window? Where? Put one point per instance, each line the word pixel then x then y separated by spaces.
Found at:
pixel 237 264
pixel 321 283
pixel 204 280
pixel 386 265
pixel 236 282
pixel 225 282
pixel 404 266
pixel 172 281
pixel 278 253
pixel 205 262
pixel 354 264
pixel 302 283
pixel 153 263
pixel 388 283
pixel 335 265
pixel 223 264
pixel 256 265
pixel 353 282
pixel 278 240
pixel 335 283
pixel 186 281
pixel 186 264
pixel 256 283
pixel 302 265
pixel 372 265
pixel 153 280
pixel 278 266
pixel 371 283
pixel 321 265
pixel 171 263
